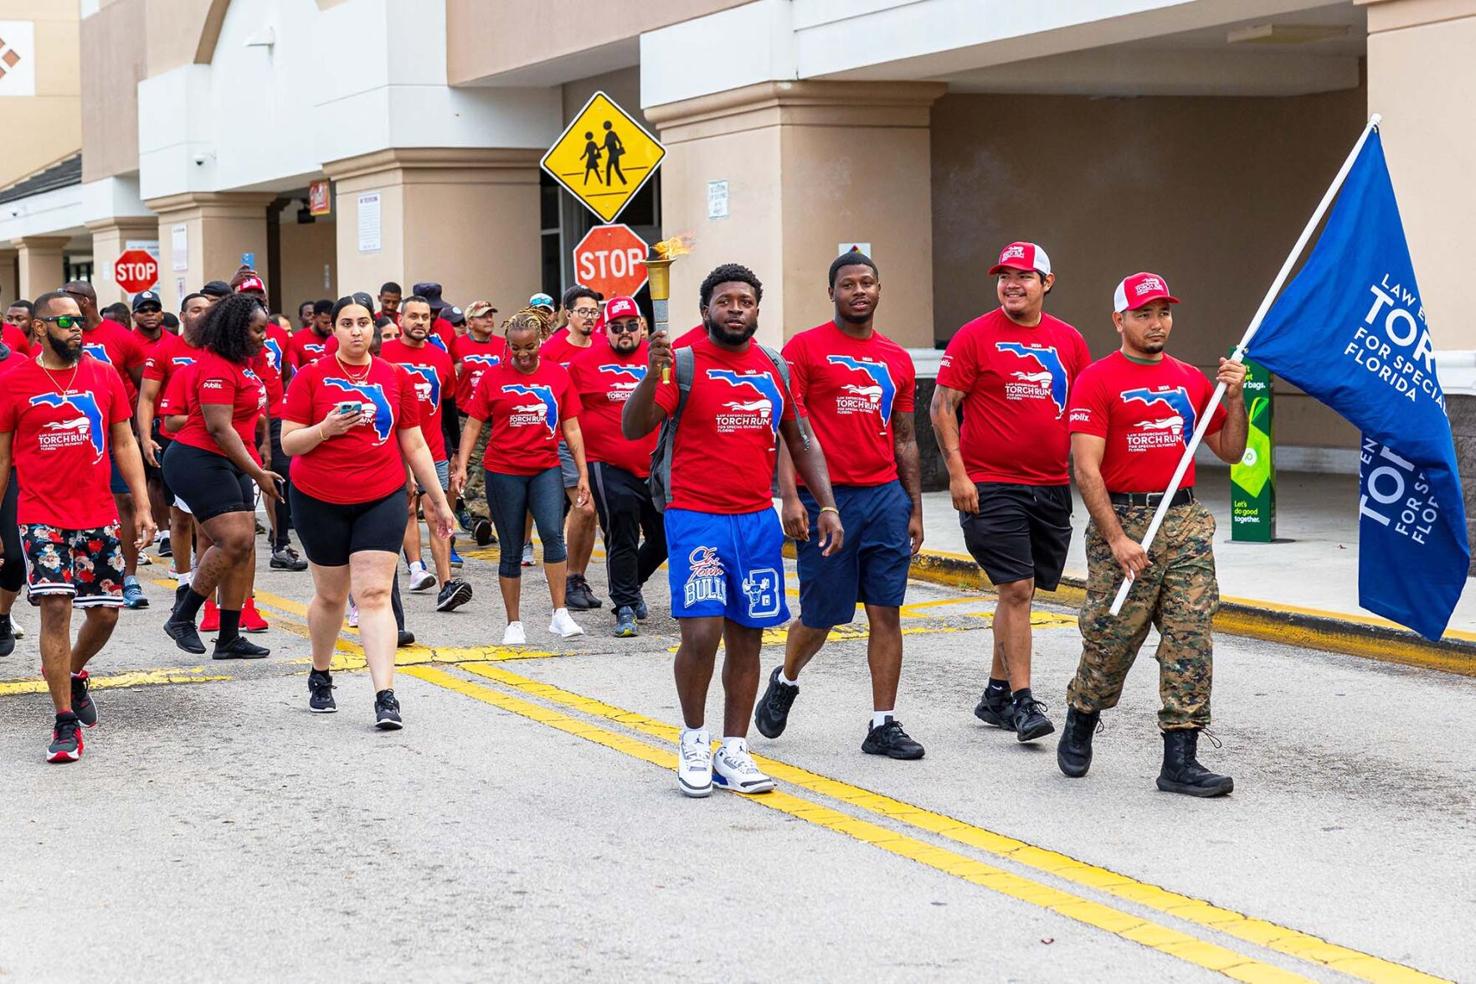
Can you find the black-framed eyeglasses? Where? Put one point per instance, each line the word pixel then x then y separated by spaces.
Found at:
pixel 586 312
pixel 621 327
pixel 63 320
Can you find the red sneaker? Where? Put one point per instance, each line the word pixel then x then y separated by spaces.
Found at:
pixel 210 621
pixel 66 740
pixel 251 620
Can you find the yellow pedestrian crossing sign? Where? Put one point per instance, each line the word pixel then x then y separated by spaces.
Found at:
pixel 604 157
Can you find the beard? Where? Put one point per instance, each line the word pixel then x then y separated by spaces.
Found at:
pixel 65 350
pixel 854 319
pixel 720 331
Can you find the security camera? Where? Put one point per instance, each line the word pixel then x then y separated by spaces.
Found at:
pixel 199 160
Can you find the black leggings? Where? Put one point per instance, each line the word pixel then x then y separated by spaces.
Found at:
pixel 208 483
pixel 332 531
pixel 13 570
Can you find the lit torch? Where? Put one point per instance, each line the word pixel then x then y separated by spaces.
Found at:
pixel 658 272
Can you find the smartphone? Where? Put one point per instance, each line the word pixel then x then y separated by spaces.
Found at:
pixel 350 408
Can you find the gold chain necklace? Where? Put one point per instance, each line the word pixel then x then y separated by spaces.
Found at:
pixel 349 372
pixel 60 390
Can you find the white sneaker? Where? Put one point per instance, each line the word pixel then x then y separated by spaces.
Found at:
pixel 527 555
pixel 15 629
pixel 420 578
pixel 694 764
pixel 732 768
pixel 353 614
pixel 563 625
pixel 514 635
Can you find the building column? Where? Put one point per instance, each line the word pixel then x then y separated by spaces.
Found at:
pixel 809 167
pixel 215 230
pixel 9 277
pixel 465 218
pixel 1420 76
pixel 41 265
pixel 110 237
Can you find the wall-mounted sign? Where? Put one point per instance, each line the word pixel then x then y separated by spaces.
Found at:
pixel 320 202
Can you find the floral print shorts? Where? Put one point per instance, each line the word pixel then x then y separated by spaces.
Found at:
pixel 86 564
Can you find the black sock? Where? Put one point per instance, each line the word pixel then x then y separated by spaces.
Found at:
pixel 997 687
pixel 325 674
pixel 189 606
pixel 1021 696
pixel 230 626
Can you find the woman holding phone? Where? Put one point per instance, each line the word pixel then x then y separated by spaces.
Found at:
pixel 213 465
pixel 351 425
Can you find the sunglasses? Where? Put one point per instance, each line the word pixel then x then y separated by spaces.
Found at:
pixel 63 320
pixel 621 327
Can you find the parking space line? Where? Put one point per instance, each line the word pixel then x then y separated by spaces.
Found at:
pixel 1125 925
pixel 1260 932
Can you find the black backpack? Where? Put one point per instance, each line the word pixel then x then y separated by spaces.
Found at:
pixel 659 481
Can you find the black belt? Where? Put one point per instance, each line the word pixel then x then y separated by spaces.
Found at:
pixel 1181 498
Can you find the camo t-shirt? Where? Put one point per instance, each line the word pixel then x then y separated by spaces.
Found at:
pixel 1146 413
pixel 526 414
pixel 61 432
pixel 364 463
pixel 848 390
pixel 1015 382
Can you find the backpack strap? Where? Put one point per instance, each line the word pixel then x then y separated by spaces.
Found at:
pixel 686 371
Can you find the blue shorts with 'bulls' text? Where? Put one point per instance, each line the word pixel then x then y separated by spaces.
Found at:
pixel 727 565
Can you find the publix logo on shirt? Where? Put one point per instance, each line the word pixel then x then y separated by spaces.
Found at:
pixel 1177 417
pixel 545 411
pixel 763 409
pixel 876 394
pixel 1042 375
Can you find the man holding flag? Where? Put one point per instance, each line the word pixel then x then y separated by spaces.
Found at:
pixel 1132 415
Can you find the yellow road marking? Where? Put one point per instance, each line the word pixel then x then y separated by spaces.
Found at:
pixel 132 678
pixel 1258 931
pixel 1124 925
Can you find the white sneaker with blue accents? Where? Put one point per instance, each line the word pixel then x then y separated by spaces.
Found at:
pixel 733 768
pixel 694 763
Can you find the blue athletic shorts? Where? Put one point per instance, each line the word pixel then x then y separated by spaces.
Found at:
pixel 729 566
pixel 116 485
pixel 870 568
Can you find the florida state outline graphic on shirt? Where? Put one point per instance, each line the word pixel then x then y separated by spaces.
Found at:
pixel 384 417
pixel 427 383
pixel 749 414
pixel 879 393
pixel 627 377
pixel 545 411
pixel 1165 431
pixel 67 433
pixel 1049 381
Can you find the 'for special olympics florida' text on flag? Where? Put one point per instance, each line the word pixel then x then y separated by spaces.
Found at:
pixel 1350 330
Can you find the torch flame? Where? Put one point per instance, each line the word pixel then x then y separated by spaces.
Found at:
pixel 670 249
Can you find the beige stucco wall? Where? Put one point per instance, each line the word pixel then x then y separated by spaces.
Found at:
pixel 1209 192
pixel 489 37
pixel 110 75
pixel 219 227
pixel 181 32
pixel 305 249
pixel 1421 76
pixel 47 127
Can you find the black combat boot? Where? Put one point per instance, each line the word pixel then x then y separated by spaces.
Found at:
pixel 1074 753
pixel 1182 772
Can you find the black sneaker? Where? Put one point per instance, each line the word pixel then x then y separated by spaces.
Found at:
pixel 164 547
pixel 387 711
pixel 286 559
pixel 453 595
pixel 481 532
pixel 240 648
pixel 996 708
pixel 404 638
pixel 320 693
pixel 642 612
pixel 7 635
pixel 890 740
pixel 772 713
pixel 82 702
pixel 66 739
pixel 185 635
pixel 578 595
pixel 1029 717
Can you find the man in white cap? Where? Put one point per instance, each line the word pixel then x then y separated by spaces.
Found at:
pixel 1010 370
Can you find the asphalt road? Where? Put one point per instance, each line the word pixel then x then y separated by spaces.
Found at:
pixel 526 823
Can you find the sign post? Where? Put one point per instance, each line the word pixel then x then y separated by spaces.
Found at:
pixel 1253 478
pixel 135 270
pixel 604 157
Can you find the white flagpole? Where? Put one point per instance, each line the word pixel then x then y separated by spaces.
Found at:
pixel 1250 331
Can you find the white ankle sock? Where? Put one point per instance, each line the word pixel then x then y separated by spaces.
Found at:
pixel 879 718
pixel 741 744
pixel 696 734
pixel 785 680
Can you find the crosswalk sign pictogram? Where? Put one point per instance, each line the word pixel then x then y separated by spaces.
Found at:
pixel 604 157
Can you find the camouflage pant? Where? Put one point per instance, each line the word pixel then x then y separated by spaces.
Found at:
pixel 476 478
pixel 1177 594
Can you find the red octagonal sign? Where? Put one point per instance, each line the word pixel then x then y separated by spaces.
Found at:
pixel 611 260
pixel 136 270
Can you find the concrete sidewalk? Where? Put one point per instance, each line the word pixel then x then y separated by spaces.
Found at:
pixel 1311 569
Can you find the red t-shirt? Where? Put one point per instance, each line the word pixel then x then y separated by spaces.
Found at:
pixel 472 359
pixel 688 337
pixel 849 390
pixel 279 352
pixel 120 348
pixel 174 397
pixel 557 349
pixel 1015 382
pixel 364 463
pixel 167 356
pixel 1147 413
pixel 726 444
pixel 219 381
pixel 271 380
pixel 526 412
pixel 430 369
pixel 308 347
pixel 442 336
pixel 61 426
pixel 17 340
pixel 604 379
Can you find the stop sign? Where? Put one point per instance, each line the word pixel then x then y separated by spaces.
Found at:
pixel 136 270
pixel 611 260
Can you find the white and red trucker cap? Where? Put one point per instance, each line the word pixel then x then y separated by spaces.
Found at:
pixel 1022 256
pixel 621 307
pixel 1141 289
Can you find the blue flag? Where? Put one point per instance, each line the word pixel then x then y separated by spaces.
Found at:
pixel 1350 330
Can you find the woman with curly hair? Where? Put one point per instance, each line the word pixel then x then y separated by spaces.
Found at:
pixel 213 464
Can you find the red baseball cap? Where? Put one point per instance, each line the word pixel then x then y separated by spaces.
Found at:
pixel 251 283
pixel 1141 289
pixel 621 307
pixel 1022 256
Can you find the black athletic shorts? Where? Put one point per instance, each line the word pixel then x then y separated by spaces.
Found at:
pixel 1020 532
pixel 332 531
pixel 151 473
pixel 208 483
